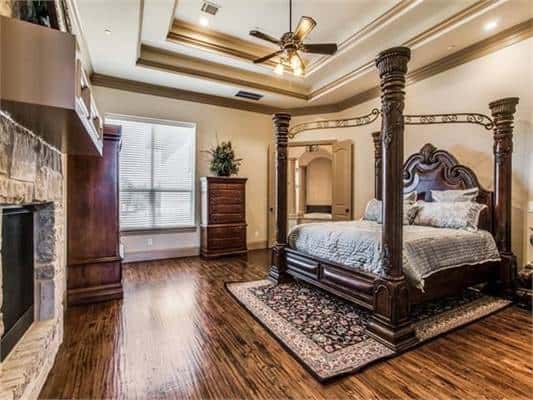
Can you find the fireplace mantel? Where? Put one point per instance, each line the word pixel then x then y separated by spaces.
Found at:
pixel 31 174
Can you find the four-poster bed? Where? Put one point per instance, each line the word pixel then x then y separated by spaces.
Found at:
pixel 389 294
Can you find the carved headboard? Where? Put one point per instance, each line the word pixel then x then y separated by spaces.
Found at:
pixel 433 169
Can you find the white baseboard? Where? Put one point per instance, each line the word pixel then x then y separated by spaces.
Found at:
pixel 161 254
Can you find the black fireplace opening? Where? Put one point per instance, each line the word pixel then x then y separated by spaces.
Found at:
pixel 17 276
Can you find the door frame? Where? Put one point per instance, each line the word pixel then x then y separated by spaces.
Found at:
pixel 271 165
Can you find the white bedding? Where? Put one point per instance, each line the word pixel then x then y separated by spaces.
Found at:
pixel 426 249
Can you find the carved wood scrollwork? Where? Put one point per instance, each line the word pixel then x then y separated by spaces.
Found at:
pixel 278 271
pixel 503 114
pixel 436 169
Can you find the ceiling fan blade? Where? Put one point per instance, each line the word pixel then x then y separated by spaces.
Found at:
pixel 320 48
pixel 304 27
pixel 265 58
pixel 264 36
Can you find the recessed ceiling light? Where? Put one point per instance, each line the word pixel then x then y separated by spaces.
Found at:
pixel 204 21
pixel 107 31
pixel 491 25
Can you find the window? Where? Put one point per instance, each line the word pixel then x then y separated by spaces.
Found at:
pixel 157 173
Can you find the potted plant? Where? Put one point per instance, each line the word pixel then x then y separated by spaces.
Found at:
pixel 223 161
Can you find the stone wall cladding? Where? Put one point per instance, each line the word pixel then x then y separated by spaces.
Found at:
pixel 31 173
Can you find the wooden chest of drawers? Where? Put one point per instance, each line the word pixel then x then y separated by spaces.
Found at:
pixel 223 224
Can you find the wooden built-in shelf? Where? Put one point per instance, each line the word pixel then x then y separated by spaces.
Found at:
pixel 44 87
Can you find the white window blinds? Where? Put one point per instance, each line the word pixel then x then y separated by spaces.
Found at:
pixel 156 174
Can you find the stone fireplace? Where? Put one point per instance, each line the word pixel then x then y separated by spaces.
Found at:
pixel 31 176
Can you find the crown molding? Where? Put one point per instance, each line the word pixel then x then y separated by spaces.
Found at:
pixel 464 15
pixel 188 34
pixel 494 43
pixel 154 57
pixel 178 94
pixel 373 26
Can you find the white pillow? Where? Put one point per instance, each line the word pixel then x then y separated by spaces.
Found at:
pixel 458 215
pixel 442 196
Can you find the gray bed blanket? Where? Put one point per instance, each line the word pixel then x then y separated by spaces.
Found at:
pixel 426 250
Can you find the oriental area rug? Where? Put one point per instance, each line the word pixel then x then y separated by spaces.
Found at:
pixel 328 335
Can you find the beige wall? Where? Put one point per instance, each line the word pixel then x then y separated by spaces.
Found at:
pixel 250 134
pixel 467 88
pixel 319 182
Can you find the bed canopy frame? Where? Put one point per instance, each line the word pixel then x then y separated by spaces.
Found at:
pixel 390 296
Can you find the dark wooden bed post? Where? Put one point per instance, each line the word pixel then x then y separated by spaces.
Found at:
pixel 378 179
pixel 278 268
pixel 390 322
pixel 503 114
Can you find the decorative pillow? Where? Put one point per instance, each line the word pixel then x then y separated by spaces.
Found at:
pixel 458 215
pixel 374 211
pixel 410 197
pixel 446 196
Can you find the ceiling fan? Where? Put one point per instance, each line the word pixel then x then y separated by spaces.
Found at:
pixel 291 43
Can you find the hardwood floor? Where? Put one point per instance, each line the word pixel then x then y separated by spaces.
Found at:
pixel 178 334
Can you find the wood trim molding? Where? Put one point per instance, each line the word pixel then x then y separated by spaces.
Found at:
pixel 153 57
pixel 375 25
pixel 188 34
pixel 414 42
pixel 494 43
pixel 96 260
pixel 464 15
pixel 178 94
pixel 161 254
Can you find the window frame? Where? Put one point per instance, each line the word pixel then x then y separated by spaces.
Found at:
pixel 180 124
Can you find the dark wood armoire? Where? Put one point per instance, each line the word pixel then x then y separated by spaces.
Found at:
pixel 223 225
pixel 94 271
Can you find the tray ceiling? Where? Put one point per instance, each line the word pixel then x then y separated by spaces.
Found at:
pixel 163 43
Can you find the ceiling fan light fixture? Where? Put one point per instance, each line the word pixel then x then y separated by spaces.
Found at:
pixel 291 43
pixel 278 70
pixel 295 61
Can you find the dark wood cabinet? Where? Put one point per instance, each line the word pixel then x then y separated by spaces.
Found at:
pixel 94 264
pixel 223 228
